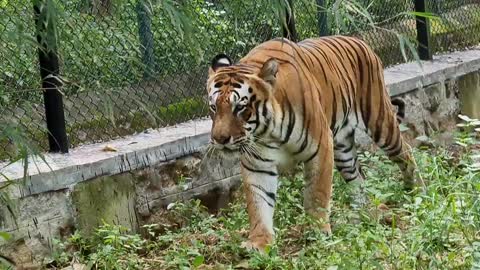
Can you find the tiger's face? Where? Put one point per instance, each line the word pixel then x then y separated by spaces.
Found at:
pixel 238 96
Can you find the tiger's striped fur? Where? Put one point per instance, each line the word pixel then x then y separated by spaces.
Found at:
pixel 286 103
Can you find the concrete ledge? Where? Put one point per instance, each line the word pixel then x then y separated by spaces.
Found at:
pixel 406 77
pixel 59 171
pixel 148 149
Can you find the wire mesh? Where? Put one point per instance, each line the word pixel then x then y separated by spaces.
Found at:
pixel 377 22
pixel 457 26
pixel 20 89
pixel 131 65
pixel 142 73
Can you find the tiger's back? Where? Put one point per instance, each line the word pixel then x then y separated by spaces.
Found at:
pixel 344 77
pixel 345 72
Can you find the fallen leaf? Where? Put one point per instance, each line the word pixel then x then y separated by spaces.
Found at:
pixel 109 148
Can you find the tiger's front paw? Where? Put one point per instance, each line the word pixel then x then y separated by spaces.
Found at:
pixel 415 186
pixel 253 246
pixel 258 243
pixel 327 229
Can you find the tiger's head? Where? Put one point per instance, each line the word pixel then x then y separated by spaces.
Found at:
pixel 238 96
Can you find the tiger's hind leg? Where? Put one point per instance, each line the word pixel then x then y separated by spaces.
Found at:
pixel 401 153
pixel 385 132
pixel 346 162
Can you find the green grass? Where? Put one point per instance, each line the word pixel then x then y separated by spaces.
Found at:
pixel 435 230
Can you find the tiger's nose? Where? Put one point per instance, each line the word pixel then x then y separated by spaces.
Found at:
pixel 221 139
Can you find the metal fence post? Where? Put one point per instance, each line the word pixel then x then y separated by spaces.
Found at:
pixel 49 71
pixel 322 18
pixel 289 31
pixel 423 32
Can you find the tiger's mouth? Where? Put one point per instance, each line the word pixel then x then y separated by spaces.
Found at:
pixel 227 148
pixel 223 151
pixel 230 149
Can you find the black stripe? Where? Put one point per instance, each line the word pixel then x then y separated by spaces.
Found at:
pixel 380 122
pixel 267 146
pixel 263 198
pixel 313 155
pixel 304 143
pixel 271 195
pixel 259 171
pixel 256 156
pixel 255 105
pixel 268 120
pixel 368 94
pixel 343 73
pixel 319 63
pixel 304 115
pixel 390 133
pixel 351 170
pixel 269 204
pixel 394 144
pixel 343 160
pixel 238 109
pixel 302 131
pixel 395 151
pixel 348 149
pixel 236 93
pixel 281 122
pixel 291 122
pixel 350 179
pixel 334 111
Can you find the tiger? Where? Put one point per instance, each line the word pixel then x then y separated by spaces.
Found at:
pixel 286 103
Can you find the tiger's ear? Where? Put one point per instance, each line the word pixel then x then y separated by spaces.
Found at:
pixel 269 71
pixel 220 60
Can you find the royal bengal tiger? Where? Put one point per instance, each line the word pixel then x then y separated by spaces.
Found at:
pixel 286 103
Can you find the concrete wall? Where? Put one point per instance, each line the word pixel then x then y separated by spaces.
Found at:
pixel 133 184
pixel 469 94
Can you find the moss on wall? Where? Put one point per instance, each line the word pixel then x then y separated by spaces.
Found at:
pixel 108 198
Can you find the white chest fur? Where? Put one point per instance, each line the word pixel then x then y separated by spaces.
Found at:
pixel 282 158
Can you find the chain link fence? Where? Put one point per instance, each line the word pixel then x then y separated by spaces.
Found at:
pixel 127 66
pixel 458 26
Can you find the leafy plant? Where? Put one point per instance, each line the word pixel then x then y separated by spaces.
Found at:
pixel 22 150
pixel 469 130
